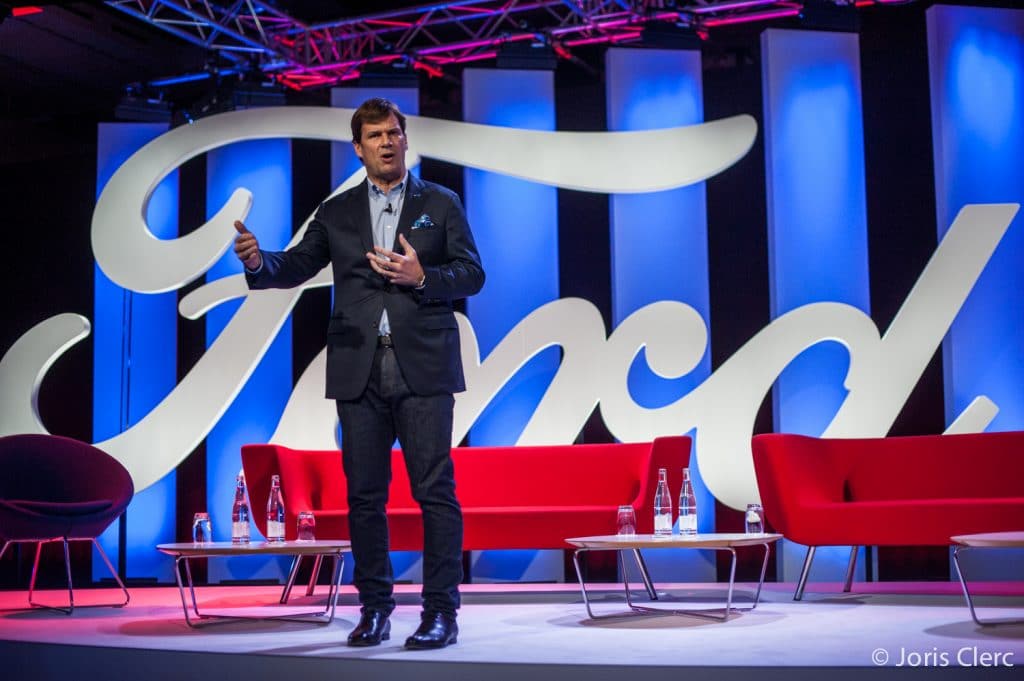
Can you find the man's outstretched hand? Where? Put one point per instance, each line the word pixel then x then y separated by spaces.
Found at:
pixel 247 248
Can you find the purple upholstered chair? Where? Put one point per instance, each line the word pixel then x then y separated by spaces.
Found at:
pixel 57 489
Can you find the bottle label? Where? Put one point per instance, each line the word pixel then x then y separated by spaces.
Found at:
pixel 688 524
pixel 663 524
pixel 275 530
pixel 239 532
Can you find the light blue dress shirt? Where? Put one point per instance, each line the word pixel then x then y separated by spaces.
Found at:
pixel 385 207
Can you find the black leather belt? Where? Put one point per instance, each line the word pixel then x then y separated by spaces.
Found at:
pixel 385 341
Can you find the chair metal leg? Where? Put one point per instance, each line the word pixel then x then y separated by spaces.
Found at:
pixel 850 568
pixel 67 570
pixel 113 572
pixel 803 574
pixel 35 571
pixel 644 575
pixel 4 549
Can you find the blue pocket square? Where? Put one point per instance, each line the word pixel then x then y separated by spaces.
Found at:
pixel 423 221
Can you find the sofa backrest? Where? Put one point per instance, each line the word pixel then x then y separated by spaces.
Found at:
pixel 795 471
pixel 933 466
pixel 528 476
pixel 593 474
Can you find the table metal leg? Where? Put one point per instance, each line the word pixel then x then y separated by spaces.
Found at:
pixel 191 586
pixel 318 561
pixel 335 590
pixel 645 575
pixel 290 582
pixel 181 588
pixel 325 616
pixel 967 594
pixel 764 570
pixel 583 586
pixel 639 609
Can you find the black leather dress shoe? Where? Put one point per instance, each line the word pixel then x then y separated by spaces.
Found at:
pixel 373 628
pixel 437 630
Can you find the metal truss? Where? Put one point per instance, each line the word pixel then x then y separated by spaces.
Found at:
pixel 252 34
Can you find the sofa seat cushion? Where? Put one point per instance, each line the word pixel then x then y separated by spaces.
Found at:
pixel 494 527
pixel 57 508
pixel 905 522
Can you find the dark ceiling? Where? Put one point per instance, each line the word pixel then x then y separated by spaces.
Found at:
pixel 74 61
pixel 78 58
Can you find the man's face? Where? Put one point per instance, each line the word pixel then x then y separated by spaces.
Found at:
pixel 382 149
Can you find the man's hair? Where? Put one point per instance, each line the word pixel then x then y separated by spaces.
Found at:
pixel 374 110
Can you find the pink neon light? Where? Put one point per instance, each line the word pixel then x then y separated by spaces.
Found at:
pixel 747 18
pixel 477 57
pixel 25 11
pixel 477 43
pixel 617 38
pixel 384 22
pixel 432 71
pixel 739 4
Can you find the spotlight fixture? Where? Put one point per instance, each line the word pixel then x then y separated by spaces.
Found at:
pixel 135 107
pixel 398 73
pixel 668 35
pixel 534 55
pixel 830 15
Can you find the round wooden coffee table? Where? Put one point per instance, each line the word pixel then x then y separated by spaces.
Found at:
pixel 185 552
pixel 634 542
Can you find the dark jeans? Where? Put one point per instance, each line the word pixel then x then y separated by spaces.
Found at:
pixel 423 424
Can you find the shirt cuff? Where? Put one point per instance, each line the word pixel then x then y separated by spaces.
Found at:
pixel 257 270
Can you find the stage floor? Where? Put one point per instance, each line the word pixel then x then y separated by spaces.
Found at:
pixel 525 631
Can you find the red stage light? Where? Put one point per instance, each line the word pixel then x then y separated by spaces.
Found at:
pixel 25 11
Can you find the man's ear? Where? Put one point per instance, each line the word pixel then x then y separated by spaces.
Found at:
pixel 358 149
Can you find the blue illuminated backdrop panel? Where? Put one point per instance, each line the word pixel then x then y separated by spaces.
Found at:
pixel 976 68
pixel 976 60
pixel 817 219
pixel 659 248
pixel 263 167
pixel 515 224
pixel 135 341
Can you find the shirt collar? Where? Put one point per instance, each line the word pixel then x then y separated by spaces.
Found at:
pixel 377 191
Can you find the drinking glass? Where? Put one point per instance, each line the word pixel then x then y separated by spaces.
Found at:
pixel 306 526
pixel 754 519
pixel 202 530
pixel 626 520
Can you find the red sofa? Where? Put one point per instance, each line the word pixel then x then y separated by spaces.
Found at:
pixel 894 491
pixel 512 497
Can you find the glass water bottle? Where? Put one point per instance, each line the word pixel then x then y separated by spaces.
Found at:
pixel 275 511
pixel 662 505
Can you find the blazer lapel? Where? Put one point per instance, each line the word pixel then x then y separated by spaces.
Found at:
pixel 363 223
pixel 412 208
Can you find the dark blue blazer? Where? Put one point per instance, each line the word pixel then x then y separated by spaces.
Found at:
pixel 423 327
